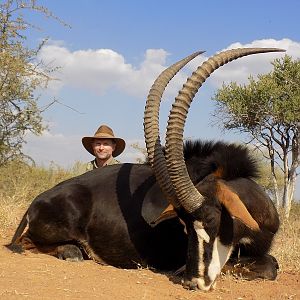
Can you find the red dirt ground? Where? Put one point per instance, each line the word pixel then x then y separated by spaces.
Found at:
pixel 39 276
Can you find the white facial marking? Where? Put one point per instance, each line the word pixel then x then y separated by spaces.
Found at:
pixel 184 229
pixel 245 241
pixel 220 255
pixel 201 284
pixel 201 231
pixel 202 237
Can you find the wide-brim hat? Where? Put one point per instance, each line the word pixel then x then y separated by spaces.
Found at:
pixel 104 132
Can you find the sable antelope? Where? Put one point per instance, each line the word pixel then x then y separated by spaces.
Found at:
pixel 107 214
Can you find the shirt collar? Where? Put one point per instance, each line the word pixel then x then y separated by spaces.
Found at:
pixel 107 163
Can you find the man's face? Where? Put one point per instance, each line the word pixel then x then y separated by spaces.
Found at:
pixel 103 148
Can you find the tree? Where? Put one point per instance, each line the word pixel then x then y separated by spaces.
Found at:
pixel 21 75
pixel 268 111
pixel 265 176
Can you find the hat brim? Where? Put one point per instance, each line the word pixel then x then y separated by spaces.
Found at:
pixel 88 140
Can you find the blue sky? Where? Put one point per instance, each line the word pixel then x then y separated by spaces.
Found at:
pixel 115 49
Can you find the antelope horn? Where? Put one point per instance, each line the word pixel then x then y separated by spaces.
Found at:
pixel 188 196
pixel 151 128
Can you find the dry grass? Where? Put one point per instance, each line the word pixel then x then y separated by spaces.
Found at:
pixel 286 247
pixel 20 184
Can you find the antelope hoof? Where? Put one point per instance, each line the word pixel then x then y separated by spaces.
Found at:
pixel 190 284
pixel 69 253
pixel 197 283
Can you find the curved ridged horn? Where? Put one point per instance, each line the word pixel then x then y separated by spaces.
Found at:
pixel 151 128
pixel 187 194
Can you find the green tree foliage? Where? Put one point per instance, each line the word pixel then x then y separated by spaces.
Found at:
pixel 21 75
pixel 268 110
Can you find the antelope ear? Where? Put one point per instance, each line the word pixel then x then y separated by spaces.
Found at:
pixel 156 208
pixel 168 213
pixel 234 205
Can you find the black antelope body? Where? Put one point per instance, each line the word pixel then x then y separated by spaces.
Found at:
pixel 196 207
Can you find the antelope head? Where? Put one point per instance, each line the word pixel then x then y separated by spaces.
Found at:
pixel 206 255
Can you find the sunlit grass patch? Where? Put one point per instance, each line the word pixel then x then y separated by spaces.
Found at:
pixel 286 246
pixel 20 184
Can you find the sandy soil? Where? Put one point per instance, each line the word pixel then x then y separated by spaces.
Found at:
pixel 39 276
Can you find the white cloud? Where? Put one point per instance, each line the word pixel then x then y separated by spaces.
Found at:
pixel 102 69
pixel 90 69
pixel 57 148
pixel 240 70
pixel 66 150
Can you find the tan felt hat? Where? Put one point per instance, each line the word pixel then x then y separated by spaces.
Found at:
pixel 104 132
